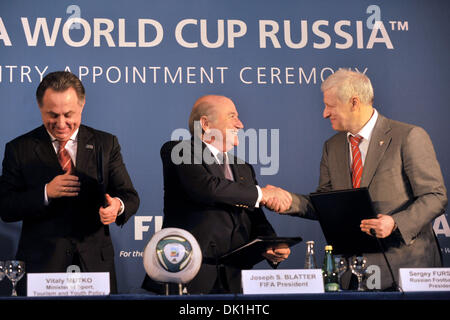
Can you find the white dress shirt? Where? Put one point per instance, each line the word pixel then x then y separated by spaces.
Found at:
pixel 366 134
pixel 71 146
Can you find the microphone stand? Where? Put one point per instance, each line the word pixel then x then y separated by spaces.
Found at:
pixel 394 286
pixel 100 179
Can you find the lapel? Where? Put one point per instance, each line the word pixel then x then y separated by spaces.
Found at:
pixel 236 169
pixel 85 150
pixel 45 151
pixel 238 177
pixel 379 142
pixel 215 168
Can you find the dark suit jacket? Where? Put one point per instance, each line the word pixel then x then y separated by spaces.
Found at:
pixel 220 213
pixel 404 180
pixel 52 234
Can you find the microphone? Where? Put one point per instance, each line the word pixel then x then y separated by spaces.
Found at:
pixel 219 268
pixel 101 182
pixel 394 285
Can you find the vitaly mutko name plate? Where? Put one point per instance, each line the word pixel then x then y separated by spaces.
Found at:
pixel 282 281
pixel 68 284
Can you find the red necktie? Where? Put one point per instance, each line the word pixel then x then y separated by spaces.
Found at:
pixel 357 165
pixel 64 158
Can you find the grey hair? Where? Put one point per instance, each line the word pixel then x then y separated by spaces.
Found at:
pixel 348 84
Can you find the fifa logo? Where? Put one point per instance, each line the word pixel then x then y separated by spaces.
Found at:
pixel 142 225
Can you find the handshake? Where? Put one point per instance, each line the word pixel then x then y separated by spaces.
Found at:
pixel 276 199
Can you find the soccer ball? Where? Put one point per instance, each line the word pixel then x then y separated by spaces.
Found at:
pixel 172 256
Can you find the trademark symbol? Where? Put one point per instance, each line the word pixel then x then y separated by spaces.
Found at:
pixel 399 25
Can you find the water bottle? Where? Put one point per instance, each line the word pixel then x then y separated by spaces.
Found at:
pixel 330 277
pixel 310 259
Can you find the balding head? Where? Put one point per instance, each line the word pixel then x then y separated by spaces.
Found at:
pixel 206 106
pixel 216 119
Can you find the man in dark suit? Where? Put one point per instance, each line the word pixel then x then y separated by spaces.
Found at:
pixel 214 199
pixel 395 161
pixel 49 182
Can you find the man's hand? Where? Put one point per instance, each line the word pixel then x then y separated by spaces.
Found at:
pixel 383 225
pixel 65 185
pixel 276 255
pixel 109 214
pixel 276 199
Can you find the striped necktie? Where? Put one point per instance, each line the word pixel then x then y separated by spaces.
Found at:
pixel 357 165
pixel 64 158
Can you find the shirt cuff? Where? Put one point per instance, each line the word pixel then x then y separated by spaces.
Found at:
pixel 259 197
pixel 122 207
pixel 46 202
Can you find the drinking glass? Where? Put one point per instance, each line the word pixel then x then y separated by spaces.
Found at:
pixel 341 265
pixel 14 270
pixel 358 267
pixel 2 270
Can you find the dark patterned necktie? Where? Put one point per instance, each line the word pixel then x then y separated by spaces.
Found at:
pixel 226 167
pixel 357 165
pixel 64 158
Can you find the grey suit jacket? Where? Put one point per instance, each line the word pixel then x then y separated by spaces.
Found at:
pixel 404 180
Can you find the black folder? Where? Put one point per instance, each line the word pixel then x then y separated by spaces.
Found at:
pixel 340 214
pixel 256 247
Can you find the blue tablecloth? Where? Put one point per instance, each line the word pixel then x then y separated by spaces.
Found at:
pixel 233 306
pixel 343 295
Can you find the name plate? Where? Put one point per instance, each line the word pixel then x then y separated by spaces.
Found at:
pixel 425 279
pixel 68 284
pixel 282 281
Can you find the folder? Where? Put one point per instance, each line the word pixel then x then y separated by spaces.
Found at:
pixel 340 214
pixel 252 251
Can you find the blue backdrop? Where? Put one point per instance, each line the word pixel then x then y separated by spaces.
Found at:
pixel 144 63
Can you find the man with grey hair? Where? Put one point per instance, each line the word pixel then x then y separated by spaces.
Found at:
pixel 395 161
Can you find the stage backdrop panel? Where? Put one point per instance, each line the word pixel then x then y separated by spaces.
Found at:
pixel 144 63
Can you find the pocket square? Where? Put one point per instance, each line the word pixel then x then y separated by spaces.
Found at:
pixel 90 146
